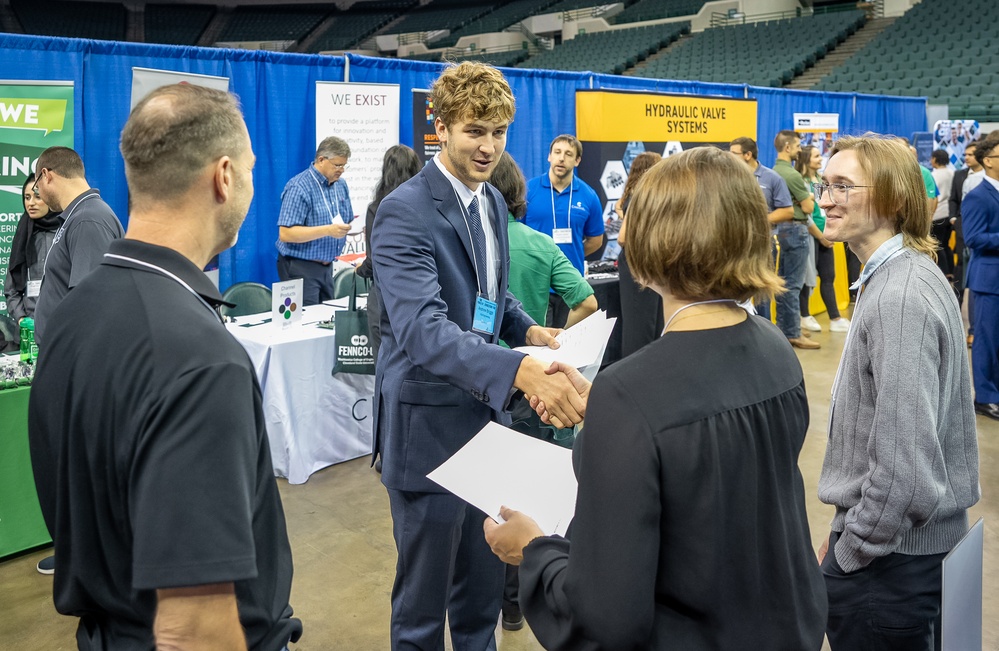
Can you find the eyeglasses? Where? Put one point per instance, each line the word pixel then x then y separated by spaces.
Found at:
pixel 839 193
pixel 337 166
pixel 38 178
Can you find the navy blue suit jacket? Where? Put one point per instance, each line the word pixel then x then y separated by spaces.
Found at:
pixel 980 214
pixel 437 383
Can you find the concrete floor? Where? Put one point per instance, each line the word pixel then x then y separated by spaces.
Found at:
pixel 341 537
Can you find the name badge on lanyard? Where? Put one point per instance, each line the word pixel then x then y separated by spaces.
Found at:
pixel 562 235
pixel 484 320
pixel 32 289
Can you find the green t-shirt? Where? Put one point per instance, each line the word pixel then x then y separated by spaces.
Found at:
pixel 537 265
pixel 796 184
pixel 929 182
pixel 818 216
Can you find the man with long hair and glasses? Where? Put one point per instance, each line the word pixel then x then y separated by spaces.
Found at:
pixel 901 464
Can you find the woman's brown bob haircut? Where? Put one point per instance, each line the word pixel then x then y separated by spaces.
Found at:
pixel 697 228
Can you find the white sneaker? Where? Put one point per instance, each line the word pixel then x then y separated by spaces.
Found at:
pixel 809 323
pixel 841 324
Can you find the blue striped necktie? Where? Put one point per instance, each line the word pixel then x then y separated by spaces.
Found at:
pixel 478 242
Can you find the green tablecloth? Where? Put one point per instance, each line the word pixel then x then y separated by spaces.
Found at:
pixel 21 523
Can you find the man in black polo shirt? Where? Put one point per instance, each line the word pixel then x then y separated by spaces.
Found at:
pixel 146 424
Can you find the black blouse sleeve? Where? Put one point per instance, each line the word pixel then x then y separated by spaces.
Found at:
pixel 598 591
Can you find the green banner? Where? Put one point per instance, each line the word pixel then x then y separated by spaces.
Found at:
pixel 33 117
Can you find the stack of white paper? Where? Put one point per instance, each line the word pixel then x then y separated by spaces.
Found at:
pixel 581 345
pixel 501 467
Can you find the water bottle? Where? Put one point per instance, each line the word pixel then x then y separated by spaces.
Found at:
pixel 29 349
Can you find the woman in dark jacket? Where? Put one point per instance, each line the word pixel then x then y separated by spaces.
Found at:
pixel 690 530
pixel 398 166
pixel 34 235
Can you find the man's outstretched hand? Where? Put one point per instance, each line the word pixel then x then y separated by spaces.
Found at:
pixel 562 401
pixel 579 383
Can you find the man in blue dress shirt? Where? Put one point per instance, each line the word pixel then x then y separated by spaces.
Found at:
pixel 314 221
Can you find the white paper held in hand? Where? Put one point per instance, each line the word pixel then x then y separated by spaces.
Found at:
pixel 580 345
pixel 501 467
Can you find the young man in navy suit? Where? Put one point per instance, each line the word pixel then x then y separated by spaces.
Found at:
pixel 980 218
pixel 440 257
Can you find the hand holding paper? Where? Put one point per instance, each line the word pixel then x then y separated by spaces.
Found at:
pixel 502 467
pixel 338 228
pixel 579 346
pixel 507 540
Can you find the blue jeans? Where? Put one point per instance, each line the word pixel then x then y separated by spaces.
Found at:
pixel 793 239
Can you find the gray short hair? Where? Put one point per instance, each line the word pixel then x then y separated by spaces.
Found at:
pixel 166 144
pixel 332 147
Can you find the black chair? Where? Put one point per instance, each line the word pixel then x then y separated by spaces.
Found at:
pixel 250 298
pixel 346 282
pixel 10 334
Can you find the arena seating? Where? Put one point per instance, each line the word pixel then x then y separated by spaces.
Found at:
pixel 907 58
pixel 497 20
pixel 351 27
pixel 768 53
pixel 656 9
pixel 441 15
pixel 913 56
pixel 507 59
pixel 610 52
pixel 573 5
pixel 272 23
pixel 176 24
pixel 101 20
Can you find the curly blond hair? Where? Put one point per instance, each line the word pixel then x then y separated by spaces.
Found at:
pixel 472 91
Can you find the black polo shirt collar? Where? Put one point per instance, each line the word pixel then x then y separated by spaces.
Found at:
pixel 168 260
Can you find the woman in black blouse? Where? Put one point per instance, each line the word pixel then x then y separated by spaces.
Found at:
pixel 690 529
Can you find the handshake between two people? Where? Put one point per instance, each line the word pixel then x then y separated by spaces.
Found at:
pixel 558 392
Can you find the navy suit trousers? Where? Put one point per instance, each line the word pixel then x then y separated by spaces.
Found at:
pixel 444 564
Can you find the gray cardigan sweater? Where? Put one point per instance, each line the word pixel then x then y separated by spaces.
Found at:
pixel 901 464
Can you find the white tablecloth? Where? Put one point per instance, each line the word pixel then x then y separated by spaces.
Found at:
pixel 313 418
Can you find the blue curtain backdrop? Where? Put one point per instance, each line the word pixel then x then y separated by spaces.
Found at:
pixel 278 95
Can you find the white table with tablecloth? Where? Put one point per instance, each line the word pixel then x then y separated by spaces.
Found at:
pixel 314 419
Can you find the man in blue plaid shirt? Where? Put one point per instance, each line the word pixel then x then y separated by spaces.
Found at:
pixel 314 221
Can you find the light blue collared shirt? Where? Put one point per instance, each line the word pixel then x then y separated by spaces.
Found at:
pixel 884 253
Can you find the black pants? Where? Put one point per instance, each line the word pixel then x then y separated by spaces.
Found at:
pixel 852 268
pixel 959 256
pixel 317 278
pixel 825 264
pixel 941 230
pixel 374 318
pixel 641 311
pixel 558 312
pixel 893 603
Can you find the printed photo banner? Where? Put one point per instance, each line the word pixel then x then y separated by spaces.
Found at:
pixel 818 130
pixel 426 144
pixel 953 136
pixel 616 126
pixel 34 115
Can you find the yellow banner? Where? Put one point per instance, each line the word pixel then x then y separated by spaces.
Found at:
pixel 611 116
